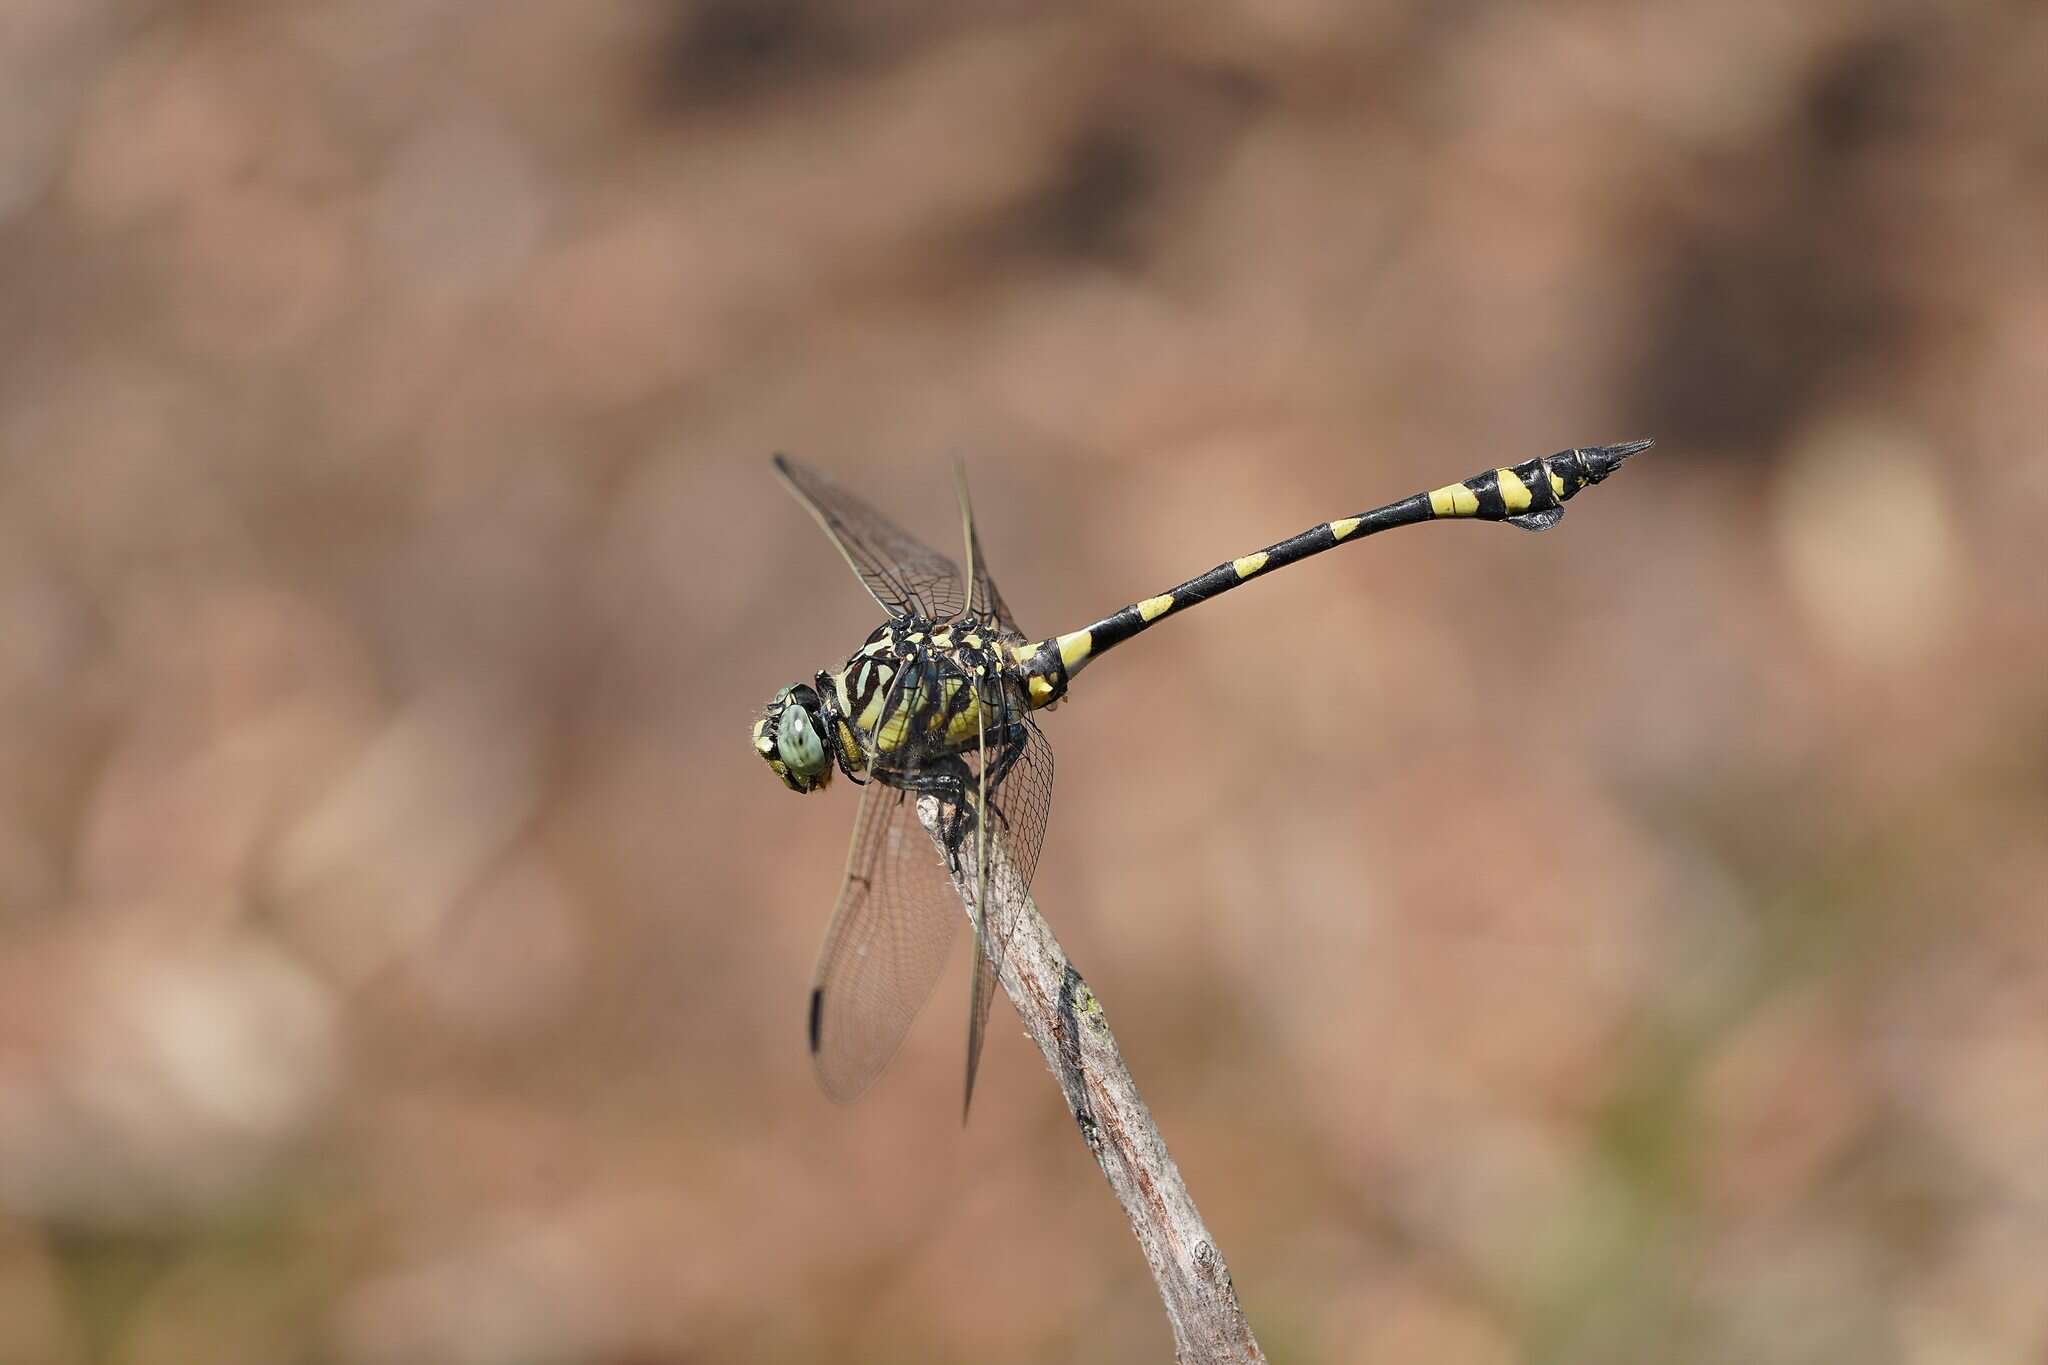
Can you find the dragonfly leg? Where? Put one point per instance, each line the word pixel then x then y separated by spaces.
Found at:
pixel 950 780
pixel 1006 758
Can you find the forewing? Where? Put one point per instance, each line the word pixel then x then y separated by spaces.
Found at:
pixel 987 600
pixel 886 947
pixel 906 576
pixel 1021 802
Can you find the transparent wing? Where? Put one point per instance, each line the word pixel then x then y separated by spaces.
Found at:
pixel 987 600
pixel 886 947
pixel 906 576
pixel 1021 800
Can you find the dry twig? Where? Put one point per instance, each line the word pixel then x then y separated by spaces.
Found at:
pixel 1065 1019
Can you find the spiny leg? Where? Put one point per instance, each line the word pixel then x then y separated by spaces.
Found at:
pixel 959 790
pixel 1014 743
pixel 949 779
pixel 1013 748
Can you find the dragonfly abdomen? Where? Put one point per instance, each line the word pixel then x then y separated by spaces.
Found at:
pixel 1530 495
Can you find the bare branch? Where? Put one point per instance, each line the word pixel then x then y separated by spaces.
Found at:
pixel 1065 1019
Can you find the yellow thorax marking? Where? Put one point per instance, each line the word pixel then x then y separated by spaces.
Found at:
pixel 871 714
pixel 895 728
pixel 967 723
pixel 1556 481
pixel 1152 608
pixel 1343 528
pixel 1249 565
pixel 973 641
pixel 1041 688
pixel 1514 494
pixel 895 722
pixel 1075 647
pixel 1453 500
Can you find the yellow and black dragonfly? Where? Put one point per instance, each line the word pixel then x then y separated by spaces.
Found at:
pixel 939 703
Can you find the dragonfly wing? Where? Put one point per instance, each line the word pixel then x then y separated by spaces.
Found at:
pixel 982 993
pixel 986 599
pixel 1021 800
pixel 906 576
pixel 886 947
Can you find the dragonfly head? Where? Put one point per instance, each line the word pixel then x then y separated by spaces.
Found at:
pixel 791 735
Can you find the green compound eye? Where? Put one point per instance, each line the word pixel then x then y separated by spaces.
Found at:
pixel 798 740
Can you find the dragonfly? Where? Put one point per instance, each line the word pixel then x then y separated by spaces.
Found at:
pixel 941 704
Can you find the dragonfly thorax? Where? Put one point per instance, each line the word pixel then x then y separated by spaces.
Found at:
pixel 916 690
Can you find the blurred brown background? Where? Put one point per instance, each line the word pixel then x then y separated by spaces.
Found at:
pixel 1620 945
